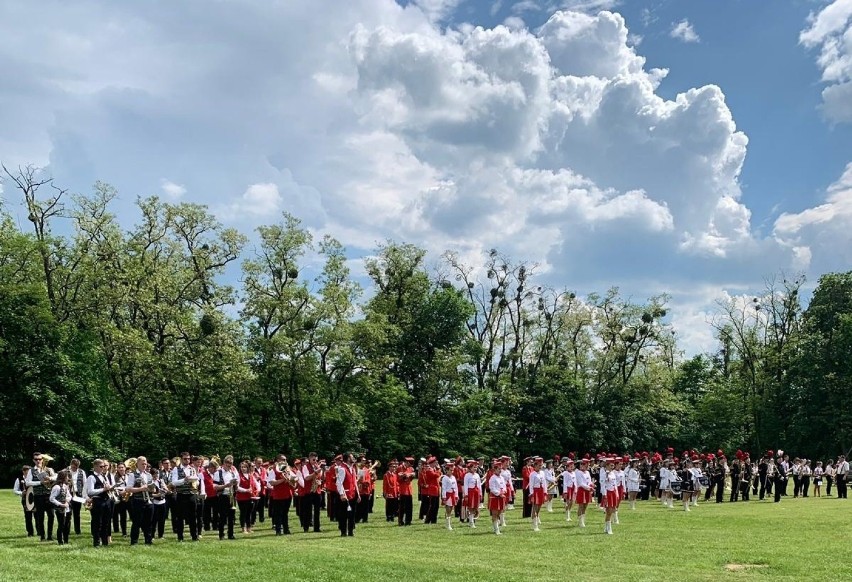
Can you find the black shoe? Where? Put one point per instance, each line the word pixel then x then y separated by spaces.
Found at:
pixel 352 533
pixel 342 534
pixel 231 538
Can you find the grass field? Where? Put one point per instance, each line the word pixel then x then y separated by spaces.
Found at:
pixel 796 539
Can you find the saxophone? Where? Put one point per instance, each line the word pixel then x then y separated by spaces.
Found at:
pixel 319 475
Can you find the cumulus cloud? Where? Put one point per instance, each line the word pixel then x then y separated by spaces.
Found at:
pixel 684 31
pixel 830 30
pixel 172 190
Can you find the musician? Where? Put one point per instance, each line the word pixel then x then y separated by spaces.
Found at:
pixel 280 489
pixel 309 496
pixel 525 483
pixel 365 488
pixel 780 474
pixel 459 473
pixel 687 480
pixel 735 480
pixel 262 501
pixel 537 491
pixel 830 473
pixel 158 501
pixel 449 493
pixel 496 496
pixel 185 480
pixel 583 479
pixel 41 496
pixel 432 489
pixel 647 478
pixel 805 473
pixel 20 489
pixel 201 497
pixel 97 490
pixel 141 504
pixel 472 490
pixel 248 493
pixel 120 507
pixel 404 477
pixel 210 518
pixel 78 489
pixel 166 476
pixel 840 475
pixel 506 473
pixel 666 478
pixel 721 472
pixel 633 477
pixel 390 491
pixel 569 486
pixel 746 476
pixel 330 486
pixel 60 498
pixel 225 483
pixel 818 474
pixel 347 490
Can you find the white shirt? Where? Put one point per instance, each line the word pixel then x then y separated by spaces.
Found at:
pixel 223 476
pixel 497 485
pixel 622 478
pixel 17 488
pixel 569 480
pixel 632 476
pixel 610 481
pixel 32 478
pixel 449 485
pixel 91 485
pixel 72 482
pixel 162 486
pixel 536 481
pixel 843 468
pixel 472 481
pixel 507 477
pixel 189 475
pixel 54 497
pixel 549 478
pixel 144 479
pixel 583 479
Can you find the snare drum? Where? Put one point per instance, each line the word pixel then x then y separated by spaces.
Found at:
pixel 676 486
pixel 704 481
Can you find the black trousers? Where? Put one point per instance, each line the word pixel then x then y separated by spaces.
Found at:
pixel 745 487
pixel 119 518
pixel 101 516
pixel 363 513
pixel 735 490
pixel 42 507
pixel 779 485
pixel 257 513
pixel 424 506
pixel 211 512
pixel 158 525
pixel 246 510
pixel 433 503
pixel 309 511
pixel 142 515
pixel 199 513
pixel 805 485
pixel 184 514
pixel 226 516
pixel 279 512
pixel 63 525
pixel 797 485
pixel 346 516
pixel 720 490
pixel 527 510
pixel 75 513
pixel 406 509
pixel 391 508
pixel 762 480
pixel 172 511
pixel 28 519
pixel 841 486
pixel 331 505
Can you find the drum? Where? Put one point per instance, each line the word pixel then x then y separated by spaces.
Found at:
pixel 676 486
pixel 704 481
pixel 29 499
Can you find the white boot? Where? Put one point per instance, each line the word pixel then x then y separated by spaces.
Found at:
pixel 550 505
pixel 582 521
pixel 497 529
pixel 472 521
pixel 616 518
pixel 686 505
pixel 609 528
pixel 632 505
pixel 449 524
pixel 567 515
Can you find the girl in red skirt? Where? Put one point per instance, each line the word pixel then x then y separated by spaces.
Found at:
pixel 449 493
pixel 610 490
pixel 472 492
pixel 538 491
pixel 569 487
pixel 496 497
pixel 584 490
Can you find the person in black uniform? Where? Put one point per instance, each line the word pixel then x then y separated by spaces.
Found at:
pixel 20 488
pixel 746 477
pixel 735 480
pixel 721 474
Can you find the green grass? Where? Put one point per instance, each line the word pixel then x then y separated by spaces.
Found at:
pixel 795 540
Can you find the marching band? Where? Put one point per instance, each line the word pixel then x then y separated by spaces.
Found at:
pixel 205 494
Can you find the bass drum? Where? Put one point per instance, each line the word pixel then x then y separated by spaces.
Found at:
pixel 29 499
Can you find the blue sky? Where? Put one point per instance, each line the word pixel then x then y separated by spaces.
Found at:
pixel 545 128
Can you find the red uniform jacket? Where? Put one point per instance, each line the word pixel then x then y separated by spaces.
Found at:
pixel 431 482
pixel 390 487
pixel 283 489
pixel 403 478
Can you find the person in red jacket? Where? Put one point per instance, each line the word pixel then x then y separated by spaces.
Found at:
pixel 260 473
pixel 390 491
pixel 525 483
pixel 432 489
pixel 248 490
pixel 211 512
pixel 458 474
pixel 330 486
pixel 404 477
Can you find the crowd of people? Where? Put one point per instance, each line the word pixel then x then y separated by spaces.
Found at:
pixel 202 494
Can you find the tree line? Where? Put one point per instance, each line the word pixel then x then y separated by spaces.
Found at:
pixel 117 341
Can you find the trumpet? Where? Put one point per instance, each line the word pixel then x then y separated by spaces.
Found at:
pixel 233 493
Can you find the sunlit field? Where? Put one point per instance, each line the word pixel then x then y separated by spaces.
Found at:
pixel 797 539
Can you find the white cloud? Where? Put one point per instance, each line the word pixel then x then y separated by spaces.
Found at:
pixel 831 31
pixel 684 31
pixel 259 200
pixel 172 190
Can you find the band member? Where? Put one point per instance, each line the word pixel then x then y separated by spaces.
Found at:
pixel 496 496
pixel 201 497
pixel 309 493
pixel 158 500
pixel 347 490
pixel 569 486
pixel 432 489
pixel 697 479
pixel 686 478
pixel 621 485
pixel 459 473
pixel 248 492
pixel 97 489
pixel 330 486
pixel 280 484
pixel 449 493
pixel 610 488
pixel 41 495
pixel 20 489
pixel 141 503
pixel 60 499
pixel 262 501
pixel 818 474
pixel 472 490
pixel 77 483
pixel 583 479
pixel 225 483
pixel 805 473
pixel 666 477
pixel 830 473
pixel 166 476
pixel 184 479
pixel 404 476
pixel 633 478
pixel 506 473
pixel 390 491
pixel 210 519
pixel 365 489
pixel 537 490
pixel 525 483
pixel 120 507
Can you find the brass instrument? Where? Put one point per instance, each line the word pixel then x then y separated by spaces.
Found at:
pixel 319 476
pixel 292 478
pixel 235 480
pixel 47 477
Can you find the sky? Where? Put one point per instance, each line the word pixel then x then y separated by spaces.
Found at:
pixel 688 148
